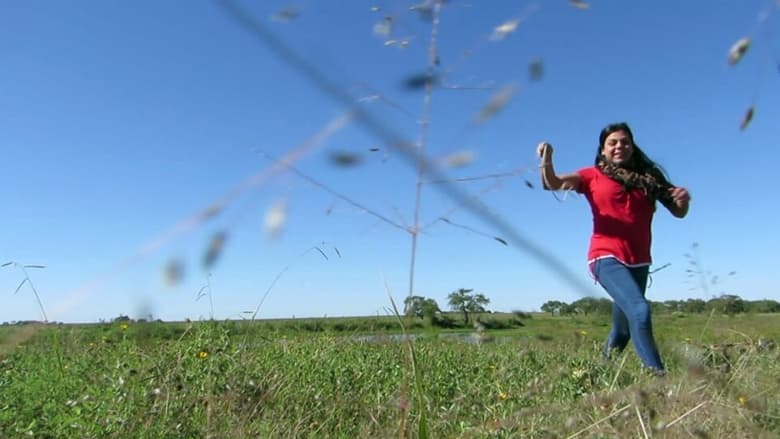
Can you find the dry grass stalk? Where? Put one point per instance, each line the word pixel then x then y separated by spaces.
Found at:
pixel 600 421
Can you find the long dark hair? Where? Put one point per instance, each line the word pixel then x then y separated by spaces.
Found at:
pixel 639 161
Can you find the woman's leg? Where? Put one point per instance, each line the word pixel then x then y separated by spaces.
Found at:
pixel 620 334
pixel 626 286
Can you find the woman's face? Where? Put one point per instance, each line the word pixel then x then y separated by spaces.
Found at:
pixel 617 147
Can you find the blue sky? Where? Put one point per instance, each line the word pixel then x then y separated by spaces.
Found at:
pixel 120 120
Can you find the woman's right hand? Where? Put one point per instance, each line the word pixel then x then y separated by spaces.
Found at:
pixel 549 180
pixel 545 151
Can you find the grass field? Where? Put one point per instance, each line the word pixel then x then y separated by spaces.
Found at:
pixel 543 377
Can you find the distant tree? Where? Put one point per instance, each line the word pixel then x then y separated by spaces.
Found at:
pixel 657 307
pixel 729 304
pixel 715 304
pixel 694 306
pixel 422 307
pixel 443 321
pixel 520 314
pixel 430 308
pixel 412 304
pixel 592 305
pixel 733 304
pixel 465 301
pixel 568 309
pixel 552 306
pixel 763 306
pixel 673 305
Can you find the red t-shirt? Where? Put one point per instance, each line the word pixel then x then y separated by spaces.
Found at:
pixel 621 219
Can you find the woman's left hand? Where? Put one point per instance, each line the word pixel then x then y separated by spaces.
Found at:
pixel 680 196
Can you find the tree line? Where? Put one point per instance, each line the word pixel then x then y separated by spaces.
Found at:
pixel 468 303
pixel 729 304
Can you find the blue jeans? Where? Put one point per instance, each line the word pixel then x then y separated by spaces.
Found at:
pixel 630 309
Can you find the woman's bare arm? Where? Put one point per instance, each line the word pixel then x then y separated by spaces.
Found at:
pixel 682 201
pixel 550 180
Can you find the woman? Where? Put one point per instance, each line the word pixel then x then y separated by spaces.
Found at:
pixel 622 188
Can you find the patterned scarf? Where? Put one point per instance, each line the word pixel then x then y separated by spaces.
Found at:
pixel 651 181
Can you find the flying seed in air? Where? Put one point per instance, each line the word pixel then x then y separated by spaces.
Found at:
pixel 738 50
pixel 215 249
pixel 210 212
pixel 345 159
pixel 286 15
pixel 321 252
pixel 459 159
pixel 579 4
pixel 401 44
pixel 536 70
pixel 275 218
pixel 424 10
pixel 420 80
pixel 498 101
pixel 369 98
pixel 174 272
pixel 24 281
pixel 747 118
pixel 504 29
pixel 384 28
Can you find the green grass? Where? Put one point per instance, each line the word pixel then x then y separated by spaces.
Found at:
pixel 273 379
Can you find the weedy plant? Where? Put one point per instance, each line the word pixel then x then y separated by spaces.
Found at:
pixel 200 379
pixel 29 282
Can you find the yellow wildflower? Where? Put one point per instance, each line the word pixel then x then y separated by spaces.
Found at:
pixel 742 400
pixel 203 355
pixel 123 326
pixel 578 373
pixel 501 394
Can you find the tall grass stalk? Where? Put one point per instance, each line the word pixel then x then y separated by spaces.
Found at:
pixel 423 138
pixel 411 362
pixel 27 280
